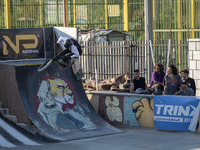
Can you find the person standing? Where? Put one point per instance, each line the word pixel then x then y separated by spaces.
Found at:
pixel 157 77
pixel 138 82
pixel 190 81
pixel 172 81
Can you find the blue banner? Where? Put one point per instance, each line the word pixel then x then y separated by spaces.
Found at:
pixel 176 113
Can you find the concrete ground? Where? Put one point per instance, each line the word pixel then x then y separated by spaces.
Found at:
pixel 131 138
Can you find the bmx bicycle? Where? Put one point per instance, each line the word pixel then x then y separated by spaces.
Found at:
pixel 64 61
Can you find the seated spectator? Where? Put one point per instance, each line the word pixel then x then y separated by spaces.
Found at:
pixel 185 90
pixel 138 82
pixel 190 81
pixel 157 78
pixel 172 81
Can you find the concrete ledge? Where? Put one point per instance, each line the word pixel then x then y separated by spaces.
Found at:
pixel 124 108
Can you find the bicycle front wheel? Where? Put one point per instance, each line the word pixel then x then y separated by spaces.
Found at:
pixel 45 65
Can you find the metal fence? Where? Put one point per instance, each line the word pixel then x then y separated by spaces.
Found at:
pixel 174 19
pixel 2 15
pixel 25 14
pixel 111 59
pixel 136 19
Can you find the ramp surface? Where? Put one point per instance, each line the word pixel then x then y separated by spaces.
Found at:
pixel 57 104
pixel 13 136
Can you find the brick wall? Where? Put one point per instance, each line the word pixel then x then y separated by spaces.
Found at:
pixel 194 62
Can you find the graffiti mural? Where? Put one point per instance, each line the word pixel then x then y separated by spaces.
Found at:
pixel 57 104
pixel 129 115
pixel 111 109
pixel 143 110
pixel 138 111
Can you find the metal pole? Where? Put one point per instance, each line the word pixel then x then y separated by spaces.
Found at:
pixel 66 10
pixel 126 20
pixel 148 34
pixel 152 53
pixel 168 53
pixel 106 14
pixel 148 20
pixel 192 16
pixel 179 20
pixel 74 8
pixel 131 61
pixel 7 14
pixel 125 56
pixel 41 13
pixel 153 7
pixel 64 13
pixel 96 79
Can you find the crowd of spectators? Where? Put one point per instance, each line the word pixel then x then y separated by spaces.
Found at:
pixel 169 83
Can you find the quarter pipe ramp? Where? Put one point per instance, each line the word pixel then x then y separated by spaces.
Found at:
pixel 53 100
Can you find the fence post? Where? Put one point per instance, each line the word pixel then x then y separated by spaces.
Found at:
pixel 131 61
pixel 192 16
pixel 106 14
pixel 148 61
pixel 89 59
pixel 153 11
pixel 64 13
pixel 74 9
pixel 7 14
pixel 125 56
pixel 168 53
pixel 179 20
pixel 41 13
pixel 66 5
pixel 126 21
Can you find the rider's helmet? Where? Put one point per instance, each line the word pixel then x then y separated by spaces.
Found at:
pixel 67 43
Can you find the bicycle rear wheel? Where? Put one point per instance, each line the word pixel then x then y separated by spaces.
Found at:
pixel 45 65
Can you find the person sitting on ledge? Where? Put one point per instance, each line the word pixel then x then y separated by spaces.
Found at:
pixel 172 81
pixel 185 90
pixel 157 78
pixel 190 81
pixel 138 82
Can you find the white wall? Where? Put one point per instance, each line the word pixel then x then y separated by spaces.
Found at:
pixel 194 62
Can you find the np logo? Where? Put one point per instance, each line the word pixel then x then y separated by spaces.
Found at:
pixel 16 46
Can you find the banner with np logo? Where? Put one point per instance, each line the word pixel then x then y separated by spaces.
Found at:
pixel 176 113
pixel 25 43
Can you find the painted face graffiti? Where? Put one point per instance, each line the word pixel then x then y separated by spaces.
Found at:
pixel 60 91
pixel 53 94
